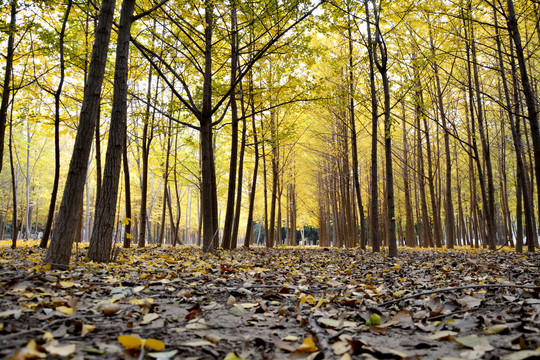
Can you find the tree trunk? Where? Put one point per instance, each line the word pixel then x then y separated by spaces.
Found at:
pixel 530 101
pixel 14 227
pixel 54 193
pixel 146 146
pixel 7 79
pixel 448 205
pixel 490 204
pixel 229 213
pixel 475 156
pixel 516 136
pixel 374 221
pixel 410 235
pixel 129 219
pixel 237 212
pixel 380 45
pixel 419 109
pixel 104 223
pixel 249 228
pixel 208 189
pixel 166 197
pixel 59 251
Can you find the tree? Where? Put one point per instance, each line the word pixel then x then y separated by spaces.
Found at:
pixel 6 90
pixel 57 94
pixel 101 241
pixel 65 225
pixel 381 61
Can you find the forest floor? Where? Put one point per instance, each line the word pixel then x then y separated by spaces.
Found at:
pixel 281 303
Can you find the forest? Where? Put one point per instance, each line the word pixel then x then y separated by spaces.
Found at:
pixel 369 124
pixel 293 179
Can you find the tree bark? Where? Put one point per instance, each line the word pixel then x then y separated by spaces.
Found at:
pixel 448 205
pixel 374 220
pixel 380 45
pixel 249 228
pixel 237 211
pixel 490 204
pixel 530 101
pixel 208 190
pixel 516 136
pixel 7 79
pixel 54 193
pixel 129 220
pixel 104 224
pixel 14 227
pixel 65 226
pixel 229 213
pixel 410 235
pixel 419 110
pixel 354 145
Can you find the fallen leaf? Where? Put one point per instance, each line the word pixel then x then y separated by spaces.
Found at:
pixel 196 343
pixel 469 302
pixel 67 284
pixel 130 342
pixel 308 345
pixel 290 338
pixel 110 309
pixel 87 328
pixel 474 342
pixel 523 355
pixel 146 301
pixel 60 350
pixel 154 344
pixel 31 351
pixel 65 310
pixel 233 356
pixel 497 329
pixel 148 318
pixel 165 355
pixel 336 323
pixel 7 313
pixel 237 310
pixel 442 335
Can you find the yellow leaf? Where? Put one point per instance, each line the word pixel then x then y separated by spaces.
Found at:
pixel 31 351
pixel 65 310
pixel 125 221
pixel 397 266
pixel 148 318
pixel 154 344
pixel 48 336
pixel 87 328
pixel 233 356
pixel 130 342
pixel 45 267
pixel 319 304
pixel 141 301
pixel 308 345
pixel 61 350
pixel 128 235
pixel 67 284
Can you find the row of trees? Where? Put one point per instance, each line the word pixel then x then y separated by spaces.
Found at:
pixel 460 118
pixel 273 112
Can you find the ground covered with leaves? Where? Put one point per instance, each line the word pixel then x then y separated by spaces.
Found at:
pixel 281 303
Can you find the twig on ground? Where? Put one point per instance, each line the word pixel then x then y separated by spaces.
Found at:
pixel 322 339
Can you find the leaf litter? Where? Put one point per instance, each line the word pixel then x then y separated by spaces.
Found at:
pixel 282 303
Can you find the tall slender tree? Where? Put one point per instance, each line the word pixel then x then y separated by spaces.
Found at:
pixel 65 226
